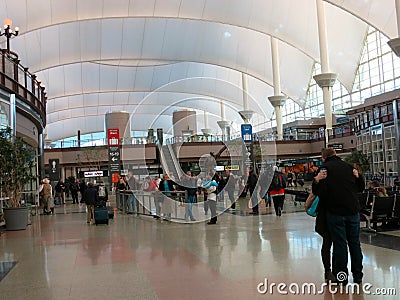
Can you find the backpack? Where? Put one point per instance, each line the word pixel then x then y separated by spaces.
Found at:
pixel 278 182
pixel 102 191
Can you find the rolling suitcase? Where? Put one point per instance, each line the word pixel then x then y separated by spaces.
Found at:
pixel 100 215
pixel 110 211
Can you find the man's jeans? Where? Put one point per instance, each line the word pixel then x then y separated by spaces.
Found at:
pixel 231 195
pixel 345 231
pixel 190 206
pixel 132 203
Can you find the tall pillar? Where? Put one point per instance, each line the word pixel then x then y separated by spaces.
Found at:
pixel 184 122
pixel 223 124
pixel 325 80
pixel 13 116
pixel 245 114
pixel 119 120
pixel 397 133
pixel 206 130
pixel 278 100
pixel 394 44
pixel 40 158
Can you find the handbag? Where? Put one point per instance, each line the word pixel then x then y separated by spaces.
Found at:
pixel 312 211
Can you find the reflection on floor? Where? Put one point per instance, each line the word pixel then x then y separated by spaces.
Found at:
pixel 61 257
pixel 6 267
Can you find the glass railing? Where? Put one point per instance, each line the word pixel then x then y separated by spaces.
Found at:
pixel 70 143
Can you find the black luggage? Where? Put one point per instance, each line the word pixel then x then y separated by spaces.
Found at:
pixel 110 210
pixel 101 215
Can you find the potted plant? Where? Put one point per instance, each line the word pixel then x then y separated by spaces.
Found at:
pixel 359 160
pixel 16 164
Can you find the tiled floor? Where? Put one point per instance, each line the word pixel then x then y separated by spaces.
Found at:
pixel 61 257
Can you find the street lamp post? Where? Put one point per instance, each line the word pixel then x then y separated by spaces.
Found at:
pixel 8 32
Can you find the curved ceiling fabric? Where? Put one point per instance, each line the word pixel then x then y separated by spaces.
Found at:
pixel 96 56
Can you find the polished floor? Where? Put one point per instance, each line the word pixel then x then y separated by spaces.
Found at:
pixel 138 257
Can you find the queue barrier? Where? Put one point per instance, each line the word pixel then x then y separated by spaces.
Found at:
pixel 144 203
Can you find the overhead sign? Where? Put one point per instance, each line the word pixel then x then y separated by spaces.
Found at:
pixel 342 120
pixel 247 132
pixel 54 169
pixel 114 159
pixel 93 174
pixel 336 146
pixel 232 167
pixel 113 137
pixel 219 168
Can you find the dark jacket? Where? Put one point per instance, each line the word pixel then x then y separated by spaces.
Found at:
pixel 170 185
pixel 252 182
pixel 91 196
pixel 189 184
pixel 60 187
pixel 338 192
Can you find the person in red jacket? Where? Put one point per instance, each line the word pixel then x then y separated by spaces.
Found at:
pixel 277 191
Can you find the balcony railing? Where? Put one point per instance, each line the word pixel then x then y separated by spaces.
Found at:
pixel 16 79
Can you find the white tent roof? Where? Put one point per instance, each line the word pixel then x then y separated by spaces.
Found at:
pixel 97 56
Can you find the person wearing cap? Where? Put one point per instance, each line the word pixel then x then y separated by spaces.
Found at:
pixel 47 193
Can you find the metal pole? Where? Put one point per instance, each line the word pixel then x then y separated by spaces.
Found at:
pixel 397 133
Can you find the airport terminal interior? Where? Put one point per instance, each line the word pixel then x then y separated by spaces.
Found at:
pixel 187 122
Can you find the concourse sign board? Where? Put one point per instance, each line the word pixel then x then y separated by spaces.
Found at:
pixel 247 133
pixel 114 152
pixel 54 169
pixel 114 159
pixel 113 137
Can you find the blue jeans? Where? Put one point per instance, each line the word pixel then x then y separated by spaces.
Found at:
pixel 132 203
pixel 231 195
pixel 345 232
pixel 190 206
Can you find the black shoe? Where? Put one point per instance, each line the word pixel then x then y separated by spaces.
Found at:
pixel 279 212
pixel 192 219
pixel 330 277
pixel 211 223
pixel 156 217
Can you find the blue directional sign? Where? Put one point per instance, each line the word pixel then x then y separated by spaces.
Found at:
pixel 247 133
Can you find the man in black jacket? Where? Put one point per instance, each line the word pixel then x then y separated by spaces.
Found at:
pixel 91 197
pixel 337 184
pixel 251 185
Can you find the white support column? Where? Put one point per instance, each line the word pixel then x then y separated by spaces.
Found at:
pixel 13 116
pixel 275 67
pixel 245 114
pixel 394 44
pixel 277 100
pixel 222 105
pixel 398 16
pixel 244 91
pixel 325 80
pixel 223 124
pixel 206 131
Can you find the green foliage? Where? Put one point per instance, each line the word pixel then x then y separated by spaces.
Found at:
pixel 359 160
pixel 16 162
